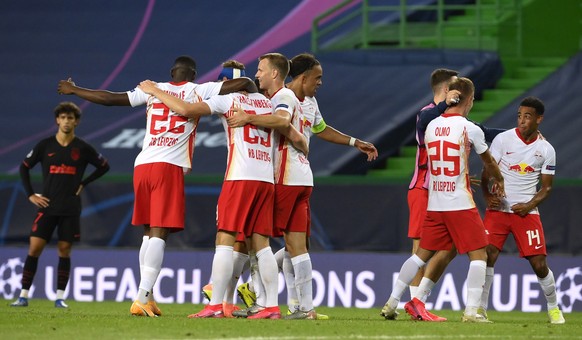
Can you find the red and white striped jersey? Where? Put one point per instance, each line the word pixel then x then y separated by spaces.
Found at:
pixel 291 165
pixel 250 148
pixel 169 137
pixel 448 141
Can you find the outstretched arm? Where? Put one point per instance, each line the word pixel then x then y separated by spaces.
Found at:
pixel 175 104
pixel 102 97
pixel 332 135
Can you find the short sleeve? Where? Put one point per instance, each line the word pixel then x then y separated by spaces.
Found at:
pixel 137 97
pixel 207 90
pixel 477 138
pixel 219 104
pixel 496 148
pixel 549 166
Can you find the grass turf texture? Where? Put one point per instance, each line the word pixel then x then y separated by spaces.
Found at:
pixel 111 320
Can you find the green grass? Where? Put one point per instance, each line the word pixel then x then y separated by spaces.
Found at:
pixel 111 320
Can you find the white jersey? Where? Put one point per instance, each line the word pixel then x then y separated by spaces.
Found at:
pixel 448 141
pixel 312 117
pixel 250 148
pixel 522 165
pixel 291 165
pixel 169 137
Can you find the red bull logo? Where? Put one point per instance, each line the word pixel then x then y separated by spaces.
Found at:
pixel 522 168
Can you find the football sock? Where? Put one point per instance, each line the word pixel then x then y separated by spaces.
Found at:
pixel 424 289
pixel 269 275
pixel 63 272
pixel 60 294
pixel 28 272
pixel 142 251
pixel 279 257
pixel 24 293
pixel 303 281
pixel 239 260
pixel 222 266
pixel 475 282
pixel 489 275
pixel 413 290
pixel 257 282
pixel 153 258
pixel 406 275
pixel 549 287
pixel 289 274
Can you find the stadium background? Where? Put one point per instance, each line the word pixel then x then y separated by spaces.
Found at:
pixel 372 90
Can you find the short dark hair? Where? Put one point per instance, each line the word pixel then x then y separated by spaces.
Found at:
pixel 302 63
pixel 185 64
pixel 67 107
pixel 279 62
pixel 463 85
pixel 534 102
pixel 441 76
pixel 234 64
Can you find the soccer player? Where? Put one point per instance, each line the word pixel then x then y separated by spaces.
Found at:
pixel 64 158
pixel 245 203
pixel 452 218
pixel 524 158
pixel 424 281
pixel 306 73
pixel 165 156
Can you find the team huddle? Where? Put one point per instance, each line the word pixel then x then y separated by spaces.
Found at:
pixel 268 183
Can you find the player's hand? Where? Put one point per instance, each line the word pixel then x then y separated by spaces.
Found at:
pixel 475 182
pixel 498 189
pixel 522 209
pixel 237 117
pixel 39 200
pixel 66 86
pixel 493 202
pixel 368 148
pixel 453 97
pixel 147 86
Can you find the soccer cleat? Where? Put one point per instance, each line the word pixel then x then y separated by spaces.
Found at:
pixel 247 296
pixel 388 312
pixel 21 302
pixel 267 313
pixel 483 312
pixel 207 291
pixel 252 310
pixel 209 311
pixel 139 309
pixel 556 317
pixel 322 316
pixel 154 307
pixel 228 309
pixel 477 318
pixel 301 315
pixel 60 303
pixel 415 308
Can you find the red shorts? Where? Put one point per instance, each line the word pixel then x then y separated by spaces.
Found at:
pixel 464 228
pixel 417 204
pixel 246 207
pixel 527 231
pixel 159 196
pixel 292 212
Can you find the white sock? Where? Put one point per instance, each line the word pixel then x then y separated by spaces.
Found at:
pixel 239 260
pixel 60 294
pixel 289 274
pixel 142 251
pixel 475 282
pixel 257 282
pixel 279 256
pixel 153 258
pixel 221 273
pixel 407 272
pixel 413 290
pixel 269 275
pixel 24 293
pixel 489 275
pixel 549 288
pixel 303 281
pixel 424 289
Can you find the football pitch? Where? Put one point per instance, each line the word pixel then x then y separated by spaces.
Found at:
pixel 111 320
